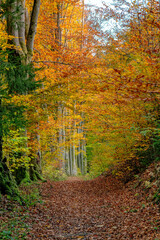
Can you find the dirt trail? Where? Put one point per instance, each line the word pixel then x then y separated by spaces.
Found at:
pixel 73 179
pixel 97 209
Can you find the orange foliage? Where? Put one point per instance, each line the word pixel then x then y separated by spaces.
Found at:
pixel 113 89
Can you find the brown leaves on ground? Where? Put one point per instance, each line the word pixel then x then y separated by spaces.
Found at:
pixel 97 209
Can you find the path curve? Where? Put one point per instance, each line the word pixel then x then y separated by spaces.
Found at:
pixel 74 178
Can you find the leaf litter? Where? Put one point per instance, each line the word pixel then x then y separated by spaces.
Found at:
pixel 102 208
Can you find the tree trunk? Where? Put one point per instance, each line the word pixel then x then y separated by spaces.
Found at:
pixel 1 130
pixel 23 40
pixel 7 183
pixel 74 145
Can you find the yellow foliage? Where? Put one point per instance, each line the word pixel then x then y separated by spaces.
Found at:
pixel 15 150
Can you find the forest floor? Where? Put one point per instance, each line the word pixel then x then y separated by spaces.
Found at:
pixel 102 208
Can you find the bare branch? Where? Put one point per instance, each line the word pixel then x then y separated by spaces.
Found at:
pixel 53 62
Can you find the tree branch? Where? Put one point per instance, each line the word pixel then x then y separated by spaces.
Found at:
pixel 53 62
pixel 12 27
pixel 21 27
pixel 33 26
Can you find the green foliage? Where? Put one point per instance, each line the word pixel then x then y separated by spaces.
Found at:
pixel 102 159
pixel 89 153
pixel 156 143
pixel 87 177
pixel 151 151
pixel 13 223
pixel 12 116
pixel 79 172
pixel 15 79
pixel 4 13
pixel 16 151
pixel 156 197
pixel 30 198
pixel 8 183
pixel 20 77
pixel 52 173
pixel 11 113
pixel 14 229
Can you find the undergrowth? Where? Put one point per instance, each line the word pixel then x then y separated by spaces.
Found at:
pixel 14 215
pixel 54 174
pixel 14 228
pixel 31 194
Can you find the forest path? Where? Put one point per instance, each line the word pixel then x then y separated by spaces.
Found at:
pixel 74 178
pixel 95 209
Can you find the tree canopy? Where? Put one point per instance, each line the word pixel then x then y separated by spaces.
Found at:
pixel 93 104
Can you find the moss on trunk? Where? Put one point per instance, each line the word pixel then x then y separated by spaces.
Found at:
pixel 35 173
pixel 8 184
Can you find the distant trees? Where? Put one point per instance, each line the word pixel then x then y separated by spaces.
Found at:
pixel 128 92
pixel 63 52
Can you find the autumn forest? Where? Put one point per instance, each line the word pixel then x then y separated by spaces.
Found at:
pixel 79 97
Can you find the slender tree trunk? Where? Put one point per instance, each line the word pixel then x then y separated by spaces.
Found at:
pixel 79 150
pixel 74 145
pixel 61 137
pixel 82 29
pixel 68 169
pixel 85 158
pixel 71 158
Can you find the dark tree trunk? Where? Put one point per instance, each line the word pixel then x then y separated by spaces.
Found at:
pixel 7 183
pixel 1 131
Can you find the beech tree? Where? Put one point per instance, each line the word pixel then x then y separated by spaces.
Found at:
pixel 60 49
pixel 128 94
pixel 21 26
